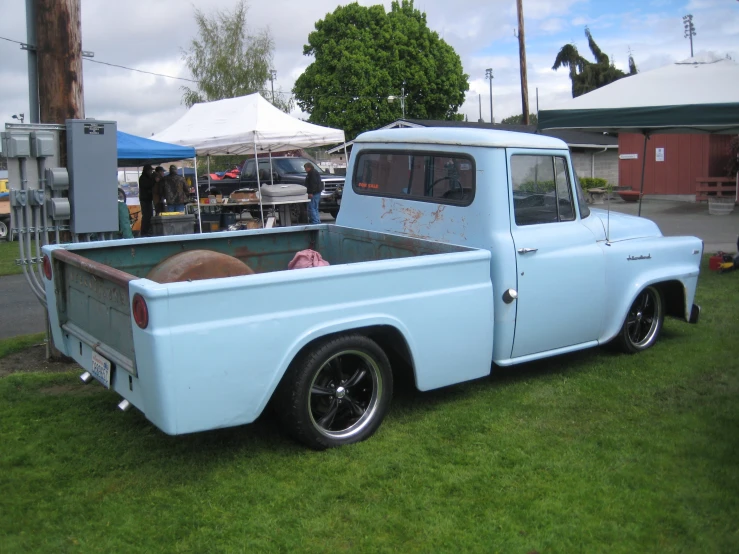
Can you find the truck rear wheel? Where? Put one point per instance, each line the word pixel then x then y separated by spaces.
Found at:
pixel 336 393
pixel 643 322
pixel 4 230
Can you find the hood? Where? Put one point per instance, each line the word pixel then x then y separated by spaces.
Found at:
pixel 625 227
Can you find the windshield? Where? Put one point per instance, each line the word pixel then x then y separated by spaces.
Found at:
pixel 295 165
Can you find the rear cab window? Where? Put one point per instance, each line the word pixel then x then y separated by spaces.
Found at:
pixel 424 176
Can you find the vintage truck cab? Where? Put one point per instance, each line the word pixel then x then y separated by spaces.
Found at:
pixel 455 251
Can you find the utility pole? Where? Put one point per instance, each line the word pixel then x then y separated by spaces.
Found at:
pixel 489 76
pixel 522 56
pixel 689 30
pixel 59 55
pixel 272 77
pixel 33 110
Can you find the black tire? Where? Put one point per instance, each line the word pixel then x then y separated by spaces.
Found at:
pixel 4 229
pixel 336 392
pixel 334 213
pixel 643 322
pixel 121 195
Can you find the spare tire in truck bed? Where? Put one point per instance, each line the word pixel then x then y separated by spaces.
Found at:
pixel 194 265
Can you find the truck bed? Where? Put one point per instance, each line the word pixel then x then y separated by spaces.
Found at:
pixel 208 339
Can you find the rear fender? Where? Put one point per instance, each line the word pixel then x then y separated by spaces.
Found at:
pixel 332 328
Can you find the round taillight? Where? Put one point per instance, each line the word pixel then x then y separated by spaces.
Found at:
pixel 140 311
pixel 47 267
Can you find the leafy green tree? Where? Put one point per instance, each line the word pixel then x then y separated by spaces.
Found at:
pixel 585 75
pixel 518 119
pixel 227 60
pixel 363 55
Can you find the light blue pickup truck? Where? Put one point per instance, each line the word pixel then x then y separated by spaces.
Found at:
pixel 455 250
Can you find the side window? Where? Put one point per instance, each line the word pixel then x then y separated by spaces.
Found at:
pixel 249 172
pixel 541 189
pixel 581 202
pixel 564 190
pixel 264 172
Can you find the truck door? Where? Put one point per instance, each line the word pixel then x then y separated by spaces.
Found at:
pixel 560 265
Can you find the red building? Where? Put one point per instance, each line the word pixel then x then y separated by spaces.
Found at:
pixel 674 162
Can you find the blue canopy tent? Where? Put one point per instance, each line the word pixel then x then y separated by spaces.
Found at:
pixel 135 151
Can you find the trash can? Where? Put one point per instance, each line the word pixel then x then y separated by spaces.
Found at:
pixel 166 225
pixel 210 217
pixel 227 218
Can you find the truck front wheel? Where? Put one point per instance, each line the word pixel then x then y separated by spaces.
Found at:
pixel 643 322
pixel 337 392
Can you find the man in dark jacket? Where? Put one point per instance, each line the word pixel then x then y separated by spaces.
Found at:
pixel 146 199
pixel 314 186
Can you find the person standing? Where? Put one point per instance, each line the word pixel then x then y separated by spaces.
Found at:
pixel 314 186
pixel 147 184
pixel 175 190
pixel 159 176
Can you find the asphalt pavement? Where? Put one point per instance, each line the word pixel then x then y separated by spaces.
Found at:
pixel 719 232
pixel 21 313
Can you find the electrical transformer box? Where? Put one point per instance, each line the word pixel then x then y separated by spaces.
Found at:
pixel 92 162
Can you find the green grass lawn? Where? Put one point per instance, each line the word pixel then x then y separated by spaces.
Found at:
pixel 8 255
pixel 592 452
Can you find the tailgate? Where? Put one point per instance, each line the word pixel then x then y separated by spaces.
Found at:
pixel 94 306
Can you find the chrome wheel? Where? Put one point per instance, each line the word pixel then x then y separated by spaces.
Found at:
pixel 643 321
pixel 344 394
pixel 336 392
pixel 3 230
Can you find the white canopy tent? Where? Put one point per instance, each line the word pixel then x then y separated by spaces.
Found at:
pixel 241 126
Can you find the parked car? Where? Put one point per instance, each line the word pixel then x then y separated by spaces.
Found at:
pixel 455 251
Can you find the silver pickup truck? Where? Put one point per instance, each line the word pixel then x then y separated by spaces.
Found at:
pixel 455 251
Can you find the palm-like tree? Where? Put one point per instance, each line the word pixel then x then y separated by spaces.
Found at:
pixel 586 75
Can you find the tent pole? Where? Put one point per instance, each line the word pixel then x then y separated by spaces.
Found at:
pixel 208 160
pixel 643 168
pixel 197 195
pixel 259 184
pixel 271 173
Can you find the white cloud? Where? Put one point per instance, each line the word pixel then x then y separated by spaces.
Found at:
pixel 149 35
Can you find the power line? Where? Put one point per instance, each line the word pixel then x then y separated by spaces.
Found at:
pixel 11 40
pixel 279 93
pixel 144 71
pixel 141 70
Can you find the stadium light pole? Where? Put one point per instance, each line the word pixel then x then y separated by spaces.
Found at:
pixel 489 76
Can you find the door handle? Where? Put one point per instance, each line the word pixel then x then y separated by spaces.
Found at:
pixel 526 250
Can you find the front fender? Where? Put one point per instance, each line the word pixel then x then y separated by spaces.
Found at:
pixel 634 265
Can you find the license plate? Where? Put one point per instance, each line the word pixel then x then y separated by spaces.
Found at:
pixel 101 369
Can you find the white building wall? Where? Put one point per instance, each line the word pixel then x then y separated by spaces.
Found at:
pixel 596 163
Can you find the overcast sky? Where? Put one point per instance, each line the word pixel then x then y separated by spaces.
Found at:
pixel 149 35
